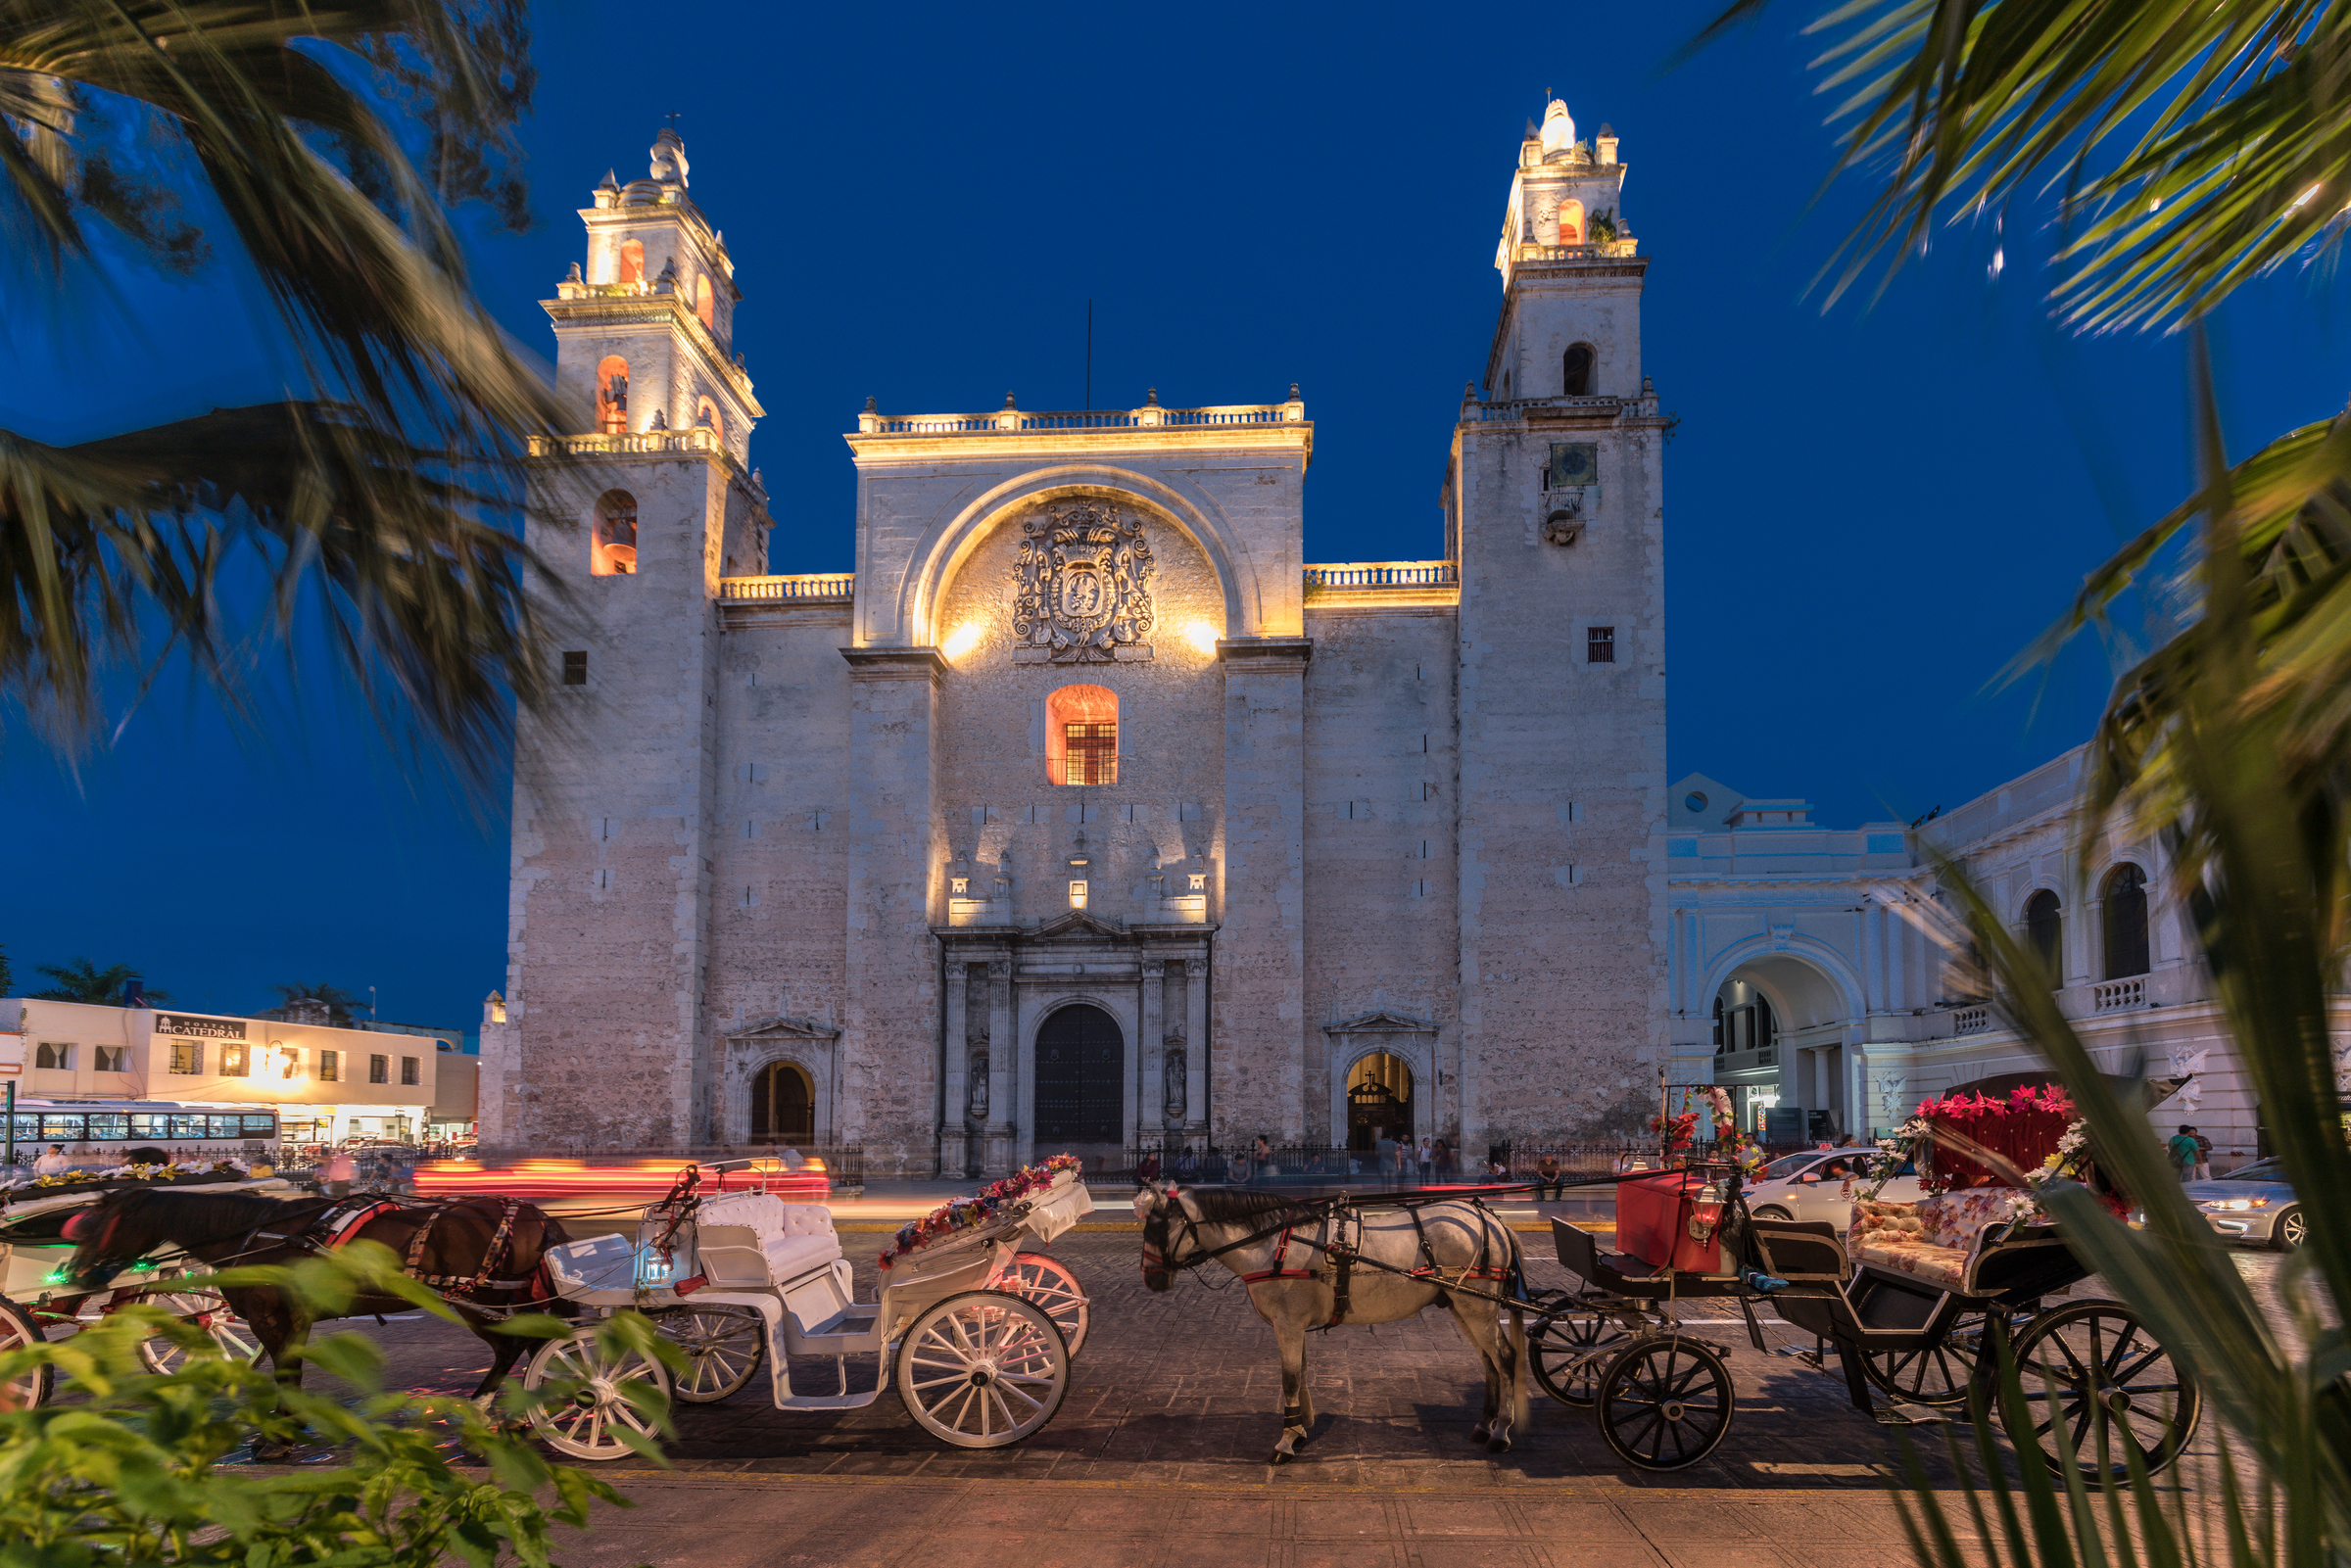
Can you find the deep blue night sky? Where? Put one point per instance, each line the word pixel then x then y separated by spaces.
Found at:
pixel 1867 512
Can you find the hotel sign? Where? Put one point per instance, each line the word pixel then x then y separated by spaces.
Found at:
pixel 200 1028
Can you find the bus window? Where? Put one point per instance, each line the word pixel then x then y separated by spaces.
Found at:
pixel 227 1126
pixel 263 1125
pixel 28 1127
pixel 147 1124
pixel 58 1128
pixel 186 1126
pixel 107 1126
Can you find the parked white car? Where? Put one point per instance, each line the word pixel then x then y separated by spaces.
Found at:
pixel 1822 1184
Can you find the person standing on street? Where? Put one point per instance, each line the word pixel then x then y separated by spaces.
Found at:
pixel 339 1172
pixel 54 1163
pixel 1383 1153
pixel 1428 1162
pixel 2183 1152
pixel 2203 1155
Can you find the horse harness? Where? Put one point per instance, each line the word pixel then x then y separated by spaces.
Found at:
pixel 336 1223
pixel 1344 1251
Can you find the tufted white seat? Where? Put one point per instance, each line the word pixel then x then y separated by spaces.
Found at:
pixel 796 1238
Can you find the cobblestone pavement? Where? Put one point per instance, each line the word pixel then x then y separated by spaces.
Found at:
pixel 1158 1455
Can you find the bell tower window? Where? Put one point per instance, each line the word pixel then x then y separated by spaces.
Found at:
pixel 1571 222
pixel 1581 357
pixel 1081 736
pixel 612 551
pixel 612 395
pixel 632 262
pixel 707 415
pixel 701 297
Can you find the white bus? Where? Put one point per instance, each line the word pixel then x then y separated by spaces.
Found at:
pixel 102 1132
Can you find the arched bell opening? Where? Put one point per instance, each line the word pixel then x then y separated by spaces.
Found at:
pixel 612 542
pixel 1380 1100
pixel 782 1104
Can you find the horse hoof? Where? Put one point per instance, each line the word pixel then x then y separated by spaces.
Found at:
pixel 1279 1457
pixel 1477 1433
pixel 1499 1445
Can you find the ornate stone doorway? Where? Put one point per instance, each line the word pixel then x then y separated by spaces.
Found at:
pixel 1081 1079
pixel 1379 1095
pixel 782 1104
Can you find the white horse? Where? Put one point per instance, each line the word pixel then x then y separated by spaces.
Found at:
pixel 1391 1261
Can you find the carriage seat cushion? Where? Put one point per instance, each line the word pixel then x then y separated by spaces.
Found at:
pixel 796 1238
pixel 1932 1240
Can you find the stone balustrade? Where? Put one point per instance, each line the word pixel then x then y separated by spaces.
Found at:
pixel 803 586
pixel 630 443
pixel 1150 416
pixel 1382 574
pixel 2112 996
pixel 1971 1021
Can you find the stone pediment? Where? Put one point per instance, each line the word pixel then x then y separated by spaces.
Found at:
pixel 1076 927
pixel 1382 1023
pixel 784 1028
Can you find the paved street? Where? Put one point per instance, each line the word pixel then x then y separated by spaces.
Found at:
pixel 1158 1457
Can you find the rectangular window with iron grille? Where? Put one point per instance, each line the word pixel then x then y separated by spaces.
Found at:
pixel 330 1065
pixel 1090 754
pixel 1599 644
pixel 407 1070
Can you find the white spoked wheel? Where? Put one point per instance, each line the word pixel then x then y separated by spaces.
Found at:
pixel 27 1390
pixel 592 1423
pixel 983 1369
pixel 723 1347
pixel 209 1312
pixel 1044 1279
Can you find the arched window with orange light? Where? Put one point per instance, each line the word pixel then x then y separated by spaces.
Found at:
pixel 632 262
pixel 1571 222
pixel 703 297
pixel 1081 736
pixel 612 394
pixel 612 541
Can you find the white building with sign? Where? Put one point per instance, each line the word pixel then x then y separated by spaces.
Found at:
pixel 324 1083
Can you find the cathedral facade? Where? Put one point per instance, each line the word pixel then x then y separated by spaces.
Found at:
pixel 1086 812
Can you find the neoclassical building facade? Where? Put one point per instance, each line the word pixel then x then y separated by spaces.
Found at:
pixel 1814 968
pixel 1086 812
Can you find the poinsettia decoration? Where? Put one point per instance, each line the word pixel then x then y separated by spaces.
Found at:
pixel 970 1214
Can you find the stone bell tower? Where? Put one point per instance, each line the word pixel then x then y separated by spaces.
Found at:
pixel 1555 501
pixel 639 515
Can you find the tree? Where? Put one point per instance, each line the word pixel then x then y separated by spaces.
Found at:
pixel 333 999
pixel 7 978
pixel 377 502
pixel 82 981
pixel 2193 145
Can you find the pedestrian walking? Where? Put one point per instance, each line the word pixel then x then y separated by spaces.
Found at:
pixel 2203 1155
pixel 2183 1152
pixel 1383 1155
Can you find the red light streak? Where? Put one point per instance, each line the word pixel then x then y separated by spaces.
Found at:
pixel 645 1179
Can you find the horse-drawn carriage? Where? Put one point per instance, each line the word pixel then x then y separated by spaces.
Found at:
pixel 1914 1305
pixel 35 1296
pixel 976 1334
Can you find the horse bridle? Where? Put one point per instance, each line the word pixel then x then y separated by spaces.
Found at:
pixel 1156 1260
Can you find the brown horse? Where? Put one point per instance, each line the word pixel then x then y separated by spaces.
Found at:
pixel 484 1254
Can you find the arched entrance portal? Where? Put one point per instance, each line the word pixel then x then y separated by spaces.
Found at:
pixel 1081 1071
pixel 782 1104
pixel 1379 1095
pixel 1779 1046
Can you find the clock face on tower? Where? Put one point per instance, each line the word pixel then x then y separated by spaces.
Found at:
pixel 1574 463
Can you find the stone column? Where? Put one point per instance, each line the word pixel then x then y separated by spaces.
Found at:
pixel 958 1047
pixel 1195 1048
pixel 1258 1082
pixel 997 1135
pixel 1151 1115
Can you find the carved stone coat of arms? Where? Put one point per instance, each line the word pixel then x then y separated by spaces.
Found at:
pixel 1081 587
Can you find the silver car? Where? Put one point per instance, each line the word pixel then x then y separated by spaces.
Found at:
pixel 1822 1184
pixel 2253 1202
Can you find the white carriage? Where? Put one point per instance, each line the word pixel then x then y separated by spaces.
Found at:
pixel 976 1334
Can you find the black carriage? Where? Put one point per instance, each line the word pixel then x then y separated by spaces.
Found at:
pixel 1909 1330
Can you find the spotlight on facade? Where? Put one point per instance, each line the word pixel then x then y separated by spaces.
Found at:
pixel 1201 636
pixel 961 641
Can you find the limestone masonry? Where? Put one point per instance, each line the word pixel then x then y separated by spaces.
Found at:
pixel 1086 814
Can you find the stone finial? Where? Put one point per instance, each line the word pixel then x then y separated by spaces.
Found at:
pixel 1008 403
pixel 756 482
pixel 1151 397
pixel 667 282
pixel 668 155
pixel 1293 392
pixel 611 181
pixel 1468 393
pixel 870 406
pixel 660 420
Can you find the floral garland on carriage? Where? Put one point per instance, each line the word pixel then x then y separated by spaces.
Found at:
pixel 959 1215
pixel 2034 1131
pixel 1731 1147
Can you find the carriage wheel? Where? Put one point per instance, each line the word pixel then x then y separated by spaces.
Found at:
pixel 1565 1352
pixel 1939 1373
pixel 723 1347
pixel 1665 1403
pixel 983 1369
pixel 1041 1278
pixel 27 1389
pixel 208 1312
pixel 2093 1366
pixel 594 1422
